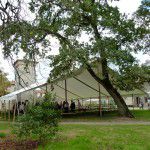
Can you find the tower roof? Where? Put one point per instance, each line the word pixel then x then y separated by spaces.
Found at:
pixel 24 61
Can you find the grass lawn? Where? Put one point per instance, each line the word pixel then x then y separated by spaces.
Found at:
pixel 4 126
pixel 109 137
pixel 94 137
pixel 99 137
pixel 141 114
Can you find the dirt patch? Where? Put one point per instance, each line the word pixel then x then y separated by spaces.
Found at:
pixel 5 131
pixel 73 133
pixel 120 119
pixel 69 135
pixel 18 145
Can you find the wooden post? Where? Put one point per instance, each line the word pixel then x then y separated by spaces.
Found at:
pixel 9 111
pixel 66 90
pixel 100 102
pixel 14 113
pixel 1 110
pixel 5 111
pixel 17 107
pixel 90 103
pixel 108 103
pixel 46 88
pixel 82 103
pixel 133 101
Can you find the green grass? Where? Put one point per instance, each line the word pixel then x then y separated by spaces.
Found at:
pixel 99 137
pixel 4 126
pixel 142 114
pixel 2 135
pixel 94 137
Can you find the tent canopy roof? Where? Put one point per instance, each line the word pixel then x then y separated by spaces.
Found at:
pixel 80 85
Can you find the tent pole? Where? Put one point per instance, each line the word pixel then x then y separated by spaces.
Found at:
pixel 133 101
pixel 108 103
pixel 5 111
pixel 14 113
pixel 46 87
pixel 17 108
pixel 100 102
pixel 90 103
pixel 66 90
pixel 1 110
pixel 9 111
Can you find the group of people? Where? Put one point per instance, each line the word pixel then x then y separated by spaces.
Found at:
pixel 65 106
pixel 20 107
pixel 141 105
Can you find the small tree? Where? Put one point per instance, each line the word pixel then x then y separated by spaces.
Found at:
pixel 40 122
pixel 4 83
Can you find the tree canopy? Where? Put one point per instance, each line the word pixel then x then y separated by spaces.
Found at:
pixel 87 31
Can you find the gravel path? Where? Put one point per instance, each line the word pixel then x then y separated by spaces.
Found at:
pixel 107 123
pixel 120 122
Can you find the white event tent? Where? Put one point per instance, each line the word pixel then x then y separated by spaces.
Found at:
pixel 81 85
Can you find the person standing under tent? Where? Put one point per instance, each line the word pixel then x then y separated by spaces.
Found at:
pixel 66 106
pixel 142 105
pixel 57 106
pixel 61 105
pixel 22 108
pixel 72 106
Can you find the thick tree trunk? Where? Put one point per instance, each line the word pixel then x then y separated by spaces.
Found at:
pixel 122 107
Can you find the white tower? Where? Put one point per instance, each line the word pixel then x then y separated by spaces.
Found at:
pixel 25 74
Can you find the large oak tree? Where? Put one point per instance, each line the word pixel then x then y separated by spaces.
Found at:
pixel 87 31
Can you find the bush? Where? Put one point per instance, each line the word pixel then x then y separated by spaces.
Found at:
pixel 40 122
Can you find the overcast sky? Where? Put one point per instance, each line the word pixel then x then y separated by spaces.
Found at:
pixel 125 6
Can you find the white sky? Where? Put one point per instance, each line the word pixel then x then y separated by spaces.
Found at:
pixel 125 6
